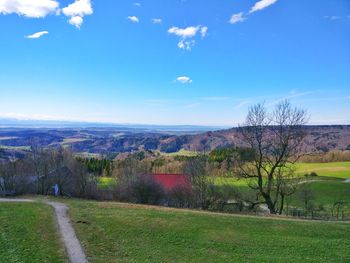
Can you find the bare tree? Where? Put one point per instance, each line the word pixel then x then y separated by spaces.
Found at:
pixel 276 139
pixel 197 170
pixel 306 196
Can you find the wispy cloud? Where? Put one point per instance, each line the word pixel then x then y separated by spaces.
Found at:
pixel 215 98
pixel 157 20
pixel 32 8
pixel 186 44
pixel 242 103
pixel 158 102
pixel 236 18
pixel 204 31
pixel 76 12
pixel 192 105
pixel 262 5
pixel 332 18
pixel 184 80
pixel 186 34
pixel 37 35
pixel 292 94
pixel 137 4
pixel 133 19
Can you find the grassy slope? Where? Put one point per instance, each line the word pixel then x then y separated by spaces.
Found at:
pixel 28 234
pixel 115 232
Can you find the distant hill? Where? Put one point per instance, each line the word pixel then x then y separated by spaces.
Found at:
pixel 111 140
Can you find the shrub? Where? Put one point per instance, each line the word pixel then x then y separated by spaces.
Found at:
pixel 145 190
pixel 180 197
pixel 313 174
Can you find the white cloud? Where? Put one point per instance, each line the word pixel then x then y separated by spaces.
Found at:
pixel 76 21
pixel 186 33
pixel 133 19
pixel 262 4
pixel 204 31
pixel 41 8
pixel 184 80
pixel 37 35
pixel 236 18
pixel 157 21
pixel 137 4
pixel 29 8
pixel 186 45
pixel 77 10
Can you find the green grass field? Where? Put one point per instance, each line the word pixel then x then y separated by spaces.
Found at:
pixel 106 182
pixel 28 234
pixel 18 148
pixel 336 169
pixel 114 232
pixel 327 188
pixel 326 192
pixel 181 152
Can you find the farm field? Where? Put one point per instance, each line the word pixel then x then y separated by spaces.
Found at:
pixel 114 232
pixel 182 152
pixel 335 169
pixel 28 234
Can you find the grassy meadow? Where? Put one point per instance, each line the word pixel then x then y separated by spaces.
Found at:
pixel 114 232
pixel 28 234
pixel 335 169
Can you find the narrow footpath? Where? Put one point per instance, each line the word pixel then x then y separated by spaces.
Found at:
pixel 72 245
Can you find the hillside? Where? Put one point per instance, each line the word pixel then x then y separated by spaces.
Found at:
pixel 16 142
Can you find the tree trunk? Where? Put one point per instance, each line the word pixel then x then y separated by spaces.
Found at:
pixel 281 206
pixel 269 203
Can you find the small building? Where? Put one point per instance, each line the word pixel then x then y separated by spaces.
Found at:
pixel 169 182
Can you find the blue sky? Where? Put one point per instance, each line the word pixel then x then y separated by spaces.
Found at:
pixel 173 62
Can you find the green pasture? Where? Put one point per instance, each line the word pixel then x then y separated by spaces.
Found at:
pixel 114 232
pixel 28 234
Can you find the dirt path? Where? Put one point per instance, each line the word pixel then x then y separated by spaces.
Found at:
pixel 74 250
pixel 12 200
